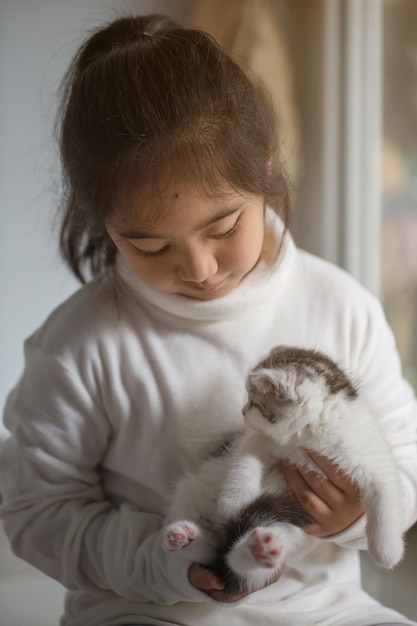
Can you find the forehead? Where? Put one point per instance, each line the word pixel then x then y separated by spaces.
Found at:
pixel 174 204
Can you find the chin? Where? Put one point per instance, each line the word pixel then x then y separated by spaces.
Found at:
pixel 212 295
pixel 254 419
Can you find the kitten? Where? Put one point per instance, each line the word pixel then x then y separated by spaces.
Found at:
pixel 245 548
pixel 235 513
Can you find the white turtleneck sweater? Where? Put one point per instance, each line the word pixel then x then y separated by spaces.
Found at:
pixel 125 388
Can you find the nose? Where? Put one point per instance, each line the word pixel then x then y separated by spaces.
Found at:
pixel 197 265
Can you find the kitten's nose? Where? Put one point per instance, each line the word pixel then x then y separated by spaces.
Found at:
pixel 245 408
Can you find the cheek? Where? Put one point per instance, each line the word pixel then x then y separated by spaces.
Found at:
pixel 251 249
pixel 245 253
pixel 233 257
pixel 152 271
pixel 254 238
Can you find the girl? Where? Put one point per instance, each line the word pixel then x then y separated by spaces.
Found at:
pixel 171 175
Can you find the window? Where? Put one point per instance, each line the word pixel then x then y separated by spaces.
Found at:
pixel 399 178
pixel 356 85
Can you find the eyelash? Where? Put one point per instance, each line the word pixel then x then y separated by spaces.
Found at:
pixel 148 255
pixel 225 235
pixel 229 232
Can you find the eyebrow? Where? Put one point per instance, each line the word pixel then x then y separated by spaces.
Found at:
pixel 139 234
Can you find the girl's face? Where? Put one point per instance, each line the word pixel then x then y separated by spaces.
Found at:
pixel 182 242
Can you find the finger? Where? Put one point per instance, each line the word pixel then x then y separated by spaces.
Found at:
pixel 203 578
pixel 224 596
pixel 319 510
pixel 324 488
pixel 334 473
pixel 308 497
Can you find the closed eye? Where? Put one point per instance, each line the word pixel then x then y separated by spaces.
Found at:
pixel 155 253
pixel 150 253
pixel 228 232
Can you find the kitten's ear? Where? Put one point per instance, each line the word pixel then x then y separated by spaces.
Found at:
pixel 276 382
pixel 262 381
pixel 270 382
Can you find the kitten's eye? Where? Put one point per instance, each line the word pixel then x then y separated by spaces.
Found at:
pixel 283 400
pixel 257 405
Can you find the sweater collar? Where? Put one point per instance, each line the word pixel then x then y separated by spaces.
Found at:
pixel 263 282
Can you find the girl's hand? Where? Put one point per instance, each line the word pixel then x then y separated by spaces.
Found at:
pixel 333 500
pixel 205 580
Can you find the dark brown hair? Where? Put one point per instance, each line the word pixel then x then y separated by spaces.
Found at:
pixel 145 97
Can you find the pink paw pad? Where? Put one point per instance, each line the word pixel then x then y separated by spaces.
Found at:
pixel 265 547
pixel 178 536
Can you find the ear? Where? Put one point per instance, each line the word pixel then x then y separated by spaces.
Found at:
pixel 262 381
pixel 279 383
pixel 269 382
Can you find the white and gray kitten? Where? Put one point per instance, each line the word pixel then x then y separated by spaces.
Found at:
pixel 235 514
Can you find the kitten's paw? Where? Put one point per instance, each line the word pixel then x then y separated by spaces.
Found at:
pixel 266 547
pixel 179 535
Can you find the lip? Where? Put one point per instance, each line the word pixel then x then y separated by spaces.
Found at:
pixel 211 288
pixel 201 290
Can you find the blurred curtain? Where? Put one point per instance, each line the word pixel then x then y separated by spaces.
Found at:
pixel 251 31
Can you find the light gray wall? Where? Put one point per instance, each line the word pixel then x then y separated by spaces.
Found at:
pixel 37 40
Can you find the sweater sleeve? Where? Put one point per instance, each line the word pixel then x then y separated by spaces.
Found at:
pixel 54 507
pixel 377 367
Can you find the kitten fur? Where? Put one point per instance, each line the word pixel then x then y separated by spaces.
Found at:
pixel 235 514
